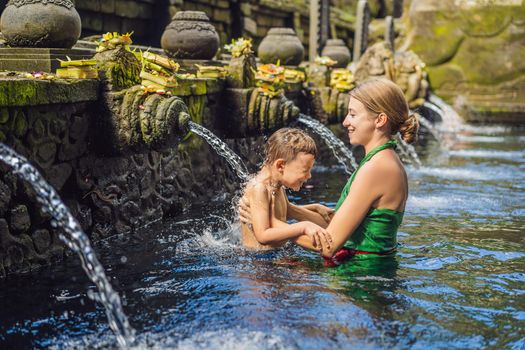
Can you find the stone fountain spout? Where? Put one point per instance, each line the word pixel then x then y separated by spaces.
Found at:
pixel 137 120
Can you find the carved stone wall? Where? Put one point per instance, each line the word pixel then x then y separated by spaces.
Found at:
pixel 473 53
pixel 107 195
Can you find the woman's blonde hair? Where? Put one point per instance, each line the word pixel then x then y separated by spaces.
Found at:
pixel 380 95
pixel 287 143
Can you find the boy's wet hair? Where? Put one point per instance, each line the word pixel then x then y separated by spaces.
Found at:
pixel 287 143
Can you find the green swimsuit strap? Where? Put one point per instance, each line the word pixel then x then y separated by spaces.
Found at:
pixel 368 156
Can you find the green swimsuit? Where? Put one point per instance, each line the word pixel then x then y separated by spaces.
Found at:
pixel 377 233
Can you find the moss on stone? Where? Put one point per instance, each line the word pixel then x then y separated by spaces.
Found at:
pixel 440 41
pixel 32 92
pixel 20 124
pixel 22 91
pixel 474 51
pixel 123 76
pixel 443 74
pixel 189 87
pixel 486 21
pixel 4 115
pixel 196 108
pixel 121 66
pixel 491 60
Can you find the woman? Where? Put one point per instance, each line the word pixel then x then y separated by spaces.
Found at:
pixel 372 203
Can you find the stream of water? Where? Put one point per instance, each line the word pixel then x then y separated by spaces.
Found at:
pixel 340 151
pixel 76 240
pixel 222 149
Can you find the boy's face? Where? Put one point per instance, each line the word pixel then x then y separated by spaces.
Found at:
pixel 297 171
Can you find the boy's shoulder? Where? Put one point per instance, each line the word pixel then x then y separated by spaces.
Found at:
pixel 255 188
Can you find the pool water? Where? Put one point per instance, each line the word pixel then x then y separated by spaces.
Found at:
pixel 457 281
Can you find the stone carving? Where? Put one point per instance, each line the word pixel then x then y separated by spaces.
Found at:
pixel 241 71
pixel 65 3
pixel 411 77
pixel 281 44
pixel 378 60
pixel 41 23
pixel 120 68
pixel 473 51
pixel 253 112
pixel 242 66
pixel 337 50
pixel 190 35
pixel 328 105
pixel 390 33
pixel 148 119
pixel 266 113
pixel 404 68
pixel 25 240
pixel 108 194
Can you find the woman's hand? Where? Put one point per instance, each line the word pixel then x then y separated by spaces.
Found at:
pixel 245 213
pixel 319 236
pixel 326 213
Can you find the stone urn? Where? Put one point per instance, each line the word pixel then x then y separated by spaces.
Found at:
pixel 40 23
pixel 337 50
pixel 281 44
pixel 190 35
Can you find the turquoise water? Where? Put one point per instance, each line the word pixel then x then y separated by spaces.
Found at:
pixel 457 281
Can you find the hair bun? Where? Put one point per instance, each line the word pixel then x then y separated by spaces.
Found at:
pixel 409 128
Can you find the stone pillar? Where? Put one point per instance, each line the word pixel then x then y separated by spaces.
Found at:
pixel 361 29
pixel 324 25
pixel 398 8
pixel 314 26
pixel 390 31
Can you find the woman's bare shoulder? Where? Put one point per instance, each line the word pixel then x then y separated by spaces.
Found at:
pixel 382 167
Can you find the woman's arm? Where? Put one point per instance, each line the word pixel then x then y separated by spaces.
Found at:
pixel 315 242
pixel 362 195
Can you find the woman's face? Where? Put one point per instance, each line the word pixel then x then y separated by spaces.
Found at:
pixel 359 122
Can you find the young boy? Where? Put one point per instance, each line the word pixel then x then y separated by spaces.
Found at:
pixel 290 156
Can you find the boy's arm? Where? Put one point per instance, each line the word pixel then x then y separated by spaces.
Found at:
pixel 326 213
pixel 261 207
pixel 316 213
pixel 302 213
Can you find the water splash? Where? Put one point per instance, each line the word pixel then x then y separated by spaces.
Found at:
pixel 451 121
pixel 408 152
pixel 222 149
pixel 339 149
pixel 76 240
pixel 434 108
pixel 429 126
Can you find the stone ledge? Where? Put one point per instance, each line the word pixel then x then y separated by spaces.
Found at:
pixel 18 91
pixel 198 87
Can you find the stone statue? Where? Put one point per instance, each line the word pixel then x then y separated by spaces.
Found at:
pixel 377 61
pixel 411 77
